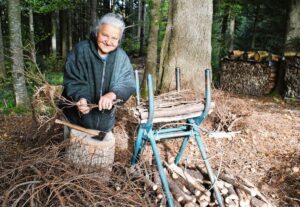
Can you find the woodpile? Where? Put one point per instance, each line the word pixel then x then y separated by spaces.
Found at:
pixel 292 75
pixel 250 73
pixel 172 106
pixel 190 186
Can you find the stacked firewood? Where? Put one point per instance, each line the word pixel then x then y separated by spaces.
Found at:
pixel 191 187
pixel 253 56
pixel 292 75
pixel 250 73
pixel 172 106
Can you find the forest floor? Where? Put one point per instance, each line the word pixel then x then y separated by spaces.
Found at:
pixel 266 151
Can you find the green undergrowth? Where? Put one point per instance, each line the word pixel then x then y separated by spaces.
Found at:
pixel 7 97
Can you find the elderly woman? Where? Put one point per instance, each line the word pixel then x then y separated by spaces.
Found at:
pixel 97 71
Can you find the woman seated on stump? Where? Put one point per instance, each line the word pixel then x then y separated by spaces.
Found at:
pixel 98 72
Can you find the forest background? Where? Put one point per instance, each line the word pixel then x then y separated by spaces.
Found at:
pixel 37 35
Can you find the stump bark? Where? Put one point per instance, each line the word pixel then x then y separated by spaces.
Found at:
pixel 88 152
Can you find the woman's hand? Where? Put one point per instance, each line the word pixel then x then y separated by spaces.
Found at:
pixel 106 101
pixel 82 106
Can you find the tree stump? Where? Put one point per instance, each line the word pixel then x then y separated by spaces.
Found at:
pixel 88 152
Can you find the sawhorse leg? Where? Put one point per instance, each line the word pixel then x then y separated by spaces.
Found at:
pixel 208 167
pixel 161 171
pixel 139 145
pixel 183 145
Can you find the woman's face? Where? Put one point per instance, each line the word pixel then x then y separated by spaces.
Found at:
pixel 108 38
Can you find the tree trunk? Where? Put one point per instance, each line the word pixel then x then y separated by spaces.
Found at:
pixel 94 10
pixel 107 6
pixel 2 66
pixel 255 26
pixel 141 52
pixel 54 20
pixel 293 26
pixel 151 60
pixel 188 47
pixel 64 33
pixel 31 34
pixel 140 11
pixel 16 47
pixel 231 31
pixel 70 29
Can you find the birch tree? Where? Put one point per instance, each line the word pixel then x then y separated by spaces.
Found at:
pixel 16 49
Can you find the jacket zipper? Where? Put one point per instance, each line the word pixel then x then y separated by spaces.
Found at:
pixel 102 80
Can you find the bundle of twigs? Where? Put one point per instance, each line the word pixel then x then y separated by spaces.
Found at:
pixel 44 103
pixel 42 177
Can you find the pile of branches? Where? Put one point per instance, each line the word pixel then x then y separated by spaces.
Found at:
pixel 44 104
pixel 43 177
pixel 191 187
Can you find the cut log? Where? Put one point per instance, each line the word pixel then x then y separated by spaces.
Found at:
pixel 238 183
pixel 261 55
pixel 235 54
pixel 203 203
pixel 232 195
pixel 188 178
pixel 291 54
pixel 187 185
pixel 178 193
pixel 157 181
pixel 249 55
pixel 190 204
pixel 136 172
pixel 255 202
pixel 244 199
pixel 196 174
pixel 276 58
pixel 233 203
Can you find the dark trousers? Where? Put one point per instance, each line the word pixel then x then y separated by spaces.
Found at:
pixel 95 119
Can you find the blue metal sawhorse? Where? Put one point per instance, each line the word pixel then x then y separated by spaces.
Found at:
pixel 146 133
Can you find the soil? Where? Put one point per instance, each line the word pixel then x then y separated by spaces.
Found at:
pixel 265 149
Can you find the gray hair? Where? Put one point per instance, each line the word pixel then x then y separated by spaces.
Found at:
pixel 111 19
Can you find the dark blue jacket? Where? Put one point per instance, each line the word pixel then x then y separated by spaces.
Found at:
pixel 87 76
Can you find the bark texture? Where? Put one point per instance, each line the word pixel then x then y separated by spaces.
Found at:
pixel 64 33
pixel 16 48
pixel 293 28
pixel 31 34
pixel 2 66
pixel 187 44
pixel 151 60
pixel 94 4
pixel 54 20
pixel 231 32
